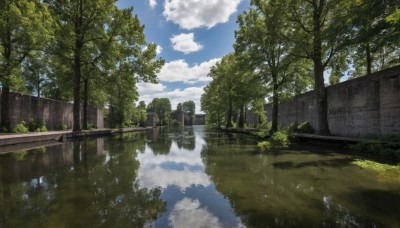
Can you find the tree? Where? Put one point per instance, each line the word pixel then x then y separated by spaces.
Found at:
pixel 375 38
pixel 320 32
pixel 161 106
pixel 189 108
pixel 96 36
pixel 142 105
pixel 25 26
pixel 179 107
pixel 261 39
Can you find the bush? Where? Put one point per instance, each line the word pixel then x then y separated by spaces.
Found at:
pixel 384 146
pixel 62 127
pixel 280 139
pixel 264 146
pixel 21 128
pixel 304 127
pixel 36 125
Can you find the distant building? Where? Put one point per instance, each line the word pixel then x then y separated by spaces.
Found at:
pixel 199 119
pixel 152 119
pixel 179 117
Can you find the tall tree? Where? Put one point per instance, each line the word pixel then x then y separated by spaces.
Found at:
pixel 189 107
pixel 79 24
pixel 320 31
pixel 161 106
pixel 375 40
pixel 25 26
pixel 261 38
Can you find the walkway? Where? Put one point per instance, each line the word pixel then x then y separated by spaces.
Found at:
pixel 33 137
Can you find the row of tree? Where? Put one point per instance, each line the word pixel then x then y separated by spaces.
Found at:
pixel 90 52
pixel 283 48
pixel 162 106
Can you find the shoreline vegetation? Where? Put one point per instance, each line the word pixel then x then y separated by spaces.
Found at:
pixel 382 148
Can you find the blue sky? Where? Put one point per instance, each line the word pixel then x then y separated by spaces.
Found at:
pixel 192 36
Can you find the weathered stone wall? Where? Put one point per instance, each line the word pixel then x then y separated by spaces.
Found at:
pixel 358 107
pixel 53 113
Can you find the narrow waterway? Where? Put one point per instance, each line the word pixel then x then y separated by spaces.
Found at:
pixel 190 177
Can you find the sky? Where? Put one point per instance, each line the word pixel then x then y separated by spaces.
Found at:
pixel 192 36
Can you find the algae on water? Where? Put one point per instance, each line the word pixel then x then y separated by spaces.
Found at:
pixel 385 172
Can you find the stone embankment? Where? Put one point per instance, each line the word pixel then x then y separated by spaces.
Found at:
pixel 10 141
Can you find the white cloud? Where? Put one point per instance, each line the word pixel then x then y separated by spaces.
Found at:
pixel 159 49
pixel 153 3
pixel 187 213
pixel 177 96
pixel 190 14
pixel 179 70
pixel 149 88
pixel 185 43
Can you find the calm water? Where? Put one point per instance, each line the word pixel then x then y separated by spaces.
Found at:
pixel 189 177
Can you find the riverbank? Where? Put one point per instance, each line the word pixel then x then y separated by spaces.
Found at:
pixel 8 141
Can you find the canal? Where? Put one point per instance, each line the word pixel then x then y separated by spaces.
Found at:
pixel 191 177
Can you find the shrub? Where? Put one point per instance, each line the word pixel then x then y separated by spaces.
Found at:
pixel 264 146
pixel 36 125
pixel 280 139
pixel 304 127
pixel 21 128
pixel 384 146
pixel 62 127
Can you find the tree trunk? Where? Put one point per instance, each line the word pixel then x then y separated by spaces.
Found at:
pixel 320 91
pixel 275 103
pixel 77 90
pixel 369 59
pixel 5 107
pixel 241 116
pixel 85 103
pixel 77 71
pixel 229 118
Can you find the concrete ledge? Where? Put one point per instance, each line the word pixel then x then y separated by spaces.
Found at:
pixel 13 139
pixel 326 138
pixel 7 140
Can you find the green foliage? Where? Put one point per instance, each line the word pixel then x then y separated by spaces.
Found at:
pixel 304 127
pixel 62 127
pixel 264 146
pixel 161 106
pixel 383 146
pixel 280 139
pixel 36 125
pixel 21 128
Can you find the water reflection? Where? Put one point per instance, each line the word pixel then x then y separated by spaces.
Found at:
pixel 192 200
pixel 298 187
pixel 189 177
pixel 94 186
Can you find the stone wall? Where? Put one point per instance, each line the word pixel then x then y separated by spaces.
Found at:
pixel 358 107
pixel 53 113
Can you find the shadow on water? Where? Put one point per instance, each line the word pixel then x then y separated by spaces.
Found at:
pixel 338 162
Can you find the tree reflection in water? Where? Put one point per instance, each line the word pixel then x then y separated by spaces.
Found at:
pixel 95 187
pixel 299 187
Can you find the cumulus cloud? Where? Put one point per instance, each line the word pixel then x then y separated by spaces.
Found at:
pixel 179 70
pixel 153 3
pixel 188 213
pixel 190 14
pixel 159 49
pixel 185 43
pixel 149 88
